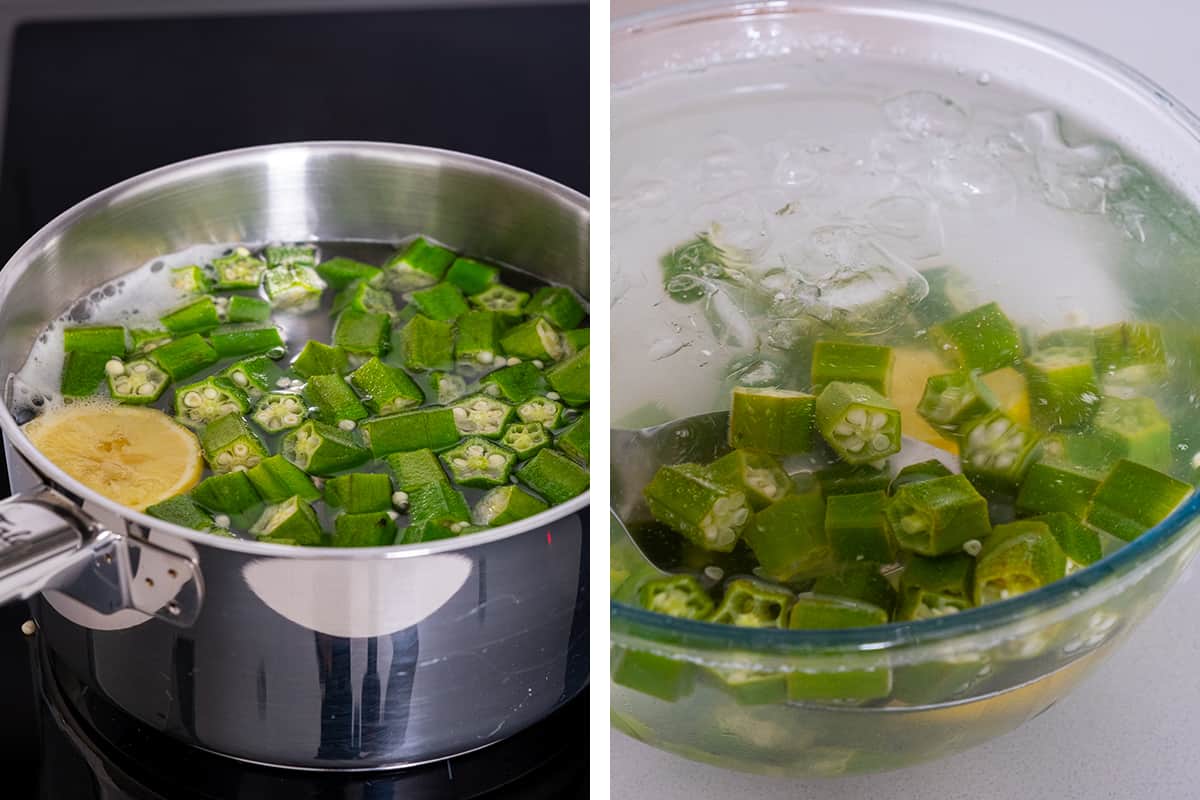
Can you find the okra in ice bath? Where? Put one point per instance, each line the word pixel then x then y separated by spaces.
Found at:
pixel 247 309
pixel 575 439
pixel 415 468
pixel 420 263
pixel 558 305
pixel 276 479
pixel 953 399
pixel 481 415
pixel 184 357
pixel 857 530
pixel 361 332
pixel 318 358
pixel 190 279
pixel 813 612
pixel 293 519
pixel 386 389
pixel 182 510
pixel 229 445
pixel 857 422
pixel 431 428
pixel 788 538
pixel 1080 543
pixel 686 499
pixel 772 420
pixel 1054 486
pixel 427 344
pixel 290 255
pixel 844 478
pixel 238 270
pixel 231 493
pixel 938 516
pixel 443 301
pixel 570 378
pixel 255 375
pixel 341 272
pixel 534 339
pixel 982 339
pixel 502 299
pixel 334 401
pixel 1063 388
pixel 137 382
pixel 1135 429
pixel 471 276
pixel 849 362
pixel 752 604
pixel 359 492
pixel 321 449
pixel 860 581
pixel 915 473
pixel 371 529
pixel 479 463
pixel 198 404
pixel 1133 498
pixel 505 504
pixel 194 316
pixel 296 289
pixel 478 338
pixel 934 587
pixel 1021 557
pixel 280 411
pixel 518 383
pixel 553 476
pixel 755 473
pixel 996 451
pixel 526 439
pixel 676 596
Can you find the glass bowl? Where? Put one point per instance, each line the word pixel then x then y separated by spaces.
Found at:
pixel 954 681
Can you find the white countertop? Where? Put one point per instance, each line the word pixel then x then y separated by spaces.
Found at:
pixel 1129 730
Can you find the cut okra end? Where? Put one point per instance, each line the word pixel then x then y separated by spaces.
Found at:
pixel 238 270
pixel 541 409
pixel 386 389
pixel 953 399
pixel 684 498
pixel 254 376
pixel 292 519
pixel 997 451
pixel 137 382
pixel 278 411
pixel 858 423
pixel 190 279
pixel 290 255
pixel 525 439
pixel 1018 558
pixel 771 420
pixel 506 504
pixel 676 596
pixel 748 603
pixel 938 516
pixel 419 263
pixel 535 338
pixel 198 404
pixel 229 445
pixel 501 299
pixel 757 474
pixel 481 415
pixel 321 449
pixel 479 463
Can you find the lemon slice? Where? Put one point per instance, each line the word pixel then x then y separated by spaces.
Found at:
pixel 910 370
pixel 134 455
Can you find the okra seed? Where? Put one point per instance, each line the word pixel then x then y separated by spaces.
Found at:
pixel 972 547
pixel 513 361
pixel 224 458
pixel 228 408
pixel 114 367
pixel 856 416
pixel 210 393
pixel 393 515
pixel 844 429
pixel 297 384
pixel 240 450
pixel 141 368
pixel 192 399
pixel 291 419
pixel 537 362
pixel 1004 461
pixel 240 378
pixel 346 424
pixel 485 356
pixel 122 385
pixel 460 413
pixel 253 461
pixel 854 444
pixel 878 420
pixel 492 389
pixel 222 520
pixel 400 499
pixel 145 390
pixel 283 383
pixel 458 527
pixel 459 462
pixel 553 395
pixel 880 442
pixel 496 460
pixel 239 468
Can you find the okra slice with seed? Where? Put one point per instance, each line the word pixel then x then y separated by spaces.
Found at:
pixel 481 415
pixel 276 479
pixel 424 531
pixel 850 362
pixel 184 357
pixel 426 344
pixel 290 255
pixel 1130 344
pixel 321 449
pixel 755 473
pixel 198 404
pixel 859 423
pixel 230 446
pixel 556 477
pixel 341 272
pixel 190 279
pixel 417 264
pixel 711 515
pixel 438 502
pixel 359 492
pixel 415 468
pixel 578 338
pixel 255 376
pixel 239 270
pixel 575 439
pixel 447 386
pixel 231 493
pixel 280 411
pixel 860 581
pixel 570 378
pixel 107 340
pixel 516 384
pixel 291 519
pixel 82 373
pixel 983 339
pixel 679 596
pixel 1063 388
pixel 362 296
pixel 953 399
pixel 433 428
pixel 232 341
pixel 506 504
pixel 935 587
pixel 842 478
pixel 557 304
pixel 1080 543
pixel 361 332
pixel 182 510
pixel 1023 557
pixel 1133 498
pixel 541 409
pixel 937 516
pixel 247 309
pixel 386 389
pixel 334 401
pixel 479 463
pixel 788 538
pixel 137 382
pixel 915 473
pixel 996 451
pixel 1053 485
pixel 297 289
pixel 1134 429
pixel 472 276
pixel 748 603
pixel 442 301
pixel 534 339
pixel 478 340
pixel 318 358
pixel 525 439
pixel 772 420
pixel 857 529
pixel 143 340
pixel 502 299
pixel 194 316
pixel 367 529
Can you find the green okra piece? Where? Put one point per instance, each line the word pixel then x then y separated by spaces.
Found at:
pixel 953 399
pixel 318 358
pixel 255 375
pixel 137 382
pixel 238 270
pixel 857 422
pixel 230 446
pixel 447 386
pixel 771 420
pixel 541 409
pixel 438 502
pixel 752 687
pixel 558 305
pixel 816 612
pixel 506 504
pixel 334 401
pixel 417 264
pixel 748 603
pixel 525 439
pixel 231 493
pixel 857 530
pixel 194 316
pixel 753 472
pixel 849 362
pixel 82 373
pixel 295 288
pixel 934 587
pixel 321 449
pixel 575 439
pixel 362 296
pixel 577 339
pixel 290 255
pixel 424 531
pixel 190 279
pixel 442 301
pixel 651 674
pixel 386 389
pixel 518 383
pixel 983 339
pixel 431 428
pixel 937 516
pixel 471 276
pixel 554 476
pixel 143 340
pixel 279 411
pixel 711 515
pixel 1130 344
pixel 920 471
pixel 1080 543
pixel 1133 498
pixel 414 468
pixel 247 309
pixel 1053 485
pixel 184 357
pixel 361 332
pixel 478 339
pixel 200 403
pixel 1022 556
pixel 481 415
pixel 788 538
pixel 534 339
pixel 292 519
pixel 679 596
pixel 996 451
pixel 367 529
pixel 276 479
pixel 842 478
pixel 502 299
pixel 427 344
pixel 1063 388
pixel 1134 429
pixel 231 341
pixel 479 463
pixel 182 510
pixel 360 492
pixel 341 272
pixel 684 265
pixel 861 581
pixel 108 340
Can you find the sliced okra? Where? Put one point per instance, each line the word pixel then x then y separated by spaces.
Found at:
pixel 952 399
pixel 198 404
pixel 516 384
pixel 238 270
pixel 842 478
pixel 534 339
pixel 937 516
pixel 711 515
pixel 334 401
pixel 321 449
pixel 1134 429
pixel 190 279
pixel 341 272
pixel 748 603
pixel 232 341
pixel 230 446
pixel 433 428
pixel 578 338
pixel 442 301
pixel 1130 344
pixel 857 422
pixel 525 439
pixel 447 386
pixel 1022 556
pixel 292 519
pixel 850 362
pixel 417 264
pixel 290 255
pixel 296 289
pixel 752 687
pixel 668 679
pixel 996 451
pixel 426 344
pixel 136 382
pixel 472 276
pixel 424 531
pixel 362 296
pixel 755 473
pixel 541 409
pixel 143 340
pixel 82 373
pixel 318 358
pixel 1053 485
pixel 279 411
pixel 413 468
pixel 554 476
pixel 571 378
pixel 361 332
pixel 817 612
pixel 276 479
pixel 255 375
pixel 1133 498
pixel 915 473
pixel 479 463
pixel 182 510
pixel 231 493
pixel 505 504
pixel 478 340
pixel 772 420
pixel 481 415
pixel 557 304
pixel 502 299
pixel 679 596
pixel 359 492
pixel 386 389
pixel 247 309
pixel 1063 387
pixel 366 529
pixel 438 502
pixel 1080 543
pixel 857 529
pixel 107 340
pixel 860 581
pixel 194 316
pixel 983 339
pixel 575 439
pixel 788 537
pixel 184 357
pixel 934 587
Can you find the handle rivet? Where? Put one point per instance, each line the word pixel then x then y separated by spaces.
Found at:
pixel 150 582
pixel 173 608
pixel 29 627
pixel 172 573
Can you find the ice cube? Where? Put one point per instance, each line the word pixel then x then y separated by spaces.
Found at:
pixel 926 114
pixel 736 224
pixel 909 226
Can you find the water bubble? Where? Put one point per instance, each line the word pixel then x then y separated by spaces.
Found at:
pixel 924 113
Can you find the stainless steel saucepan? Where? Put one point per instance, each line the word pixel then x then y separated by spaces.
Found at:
pixel 317 658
